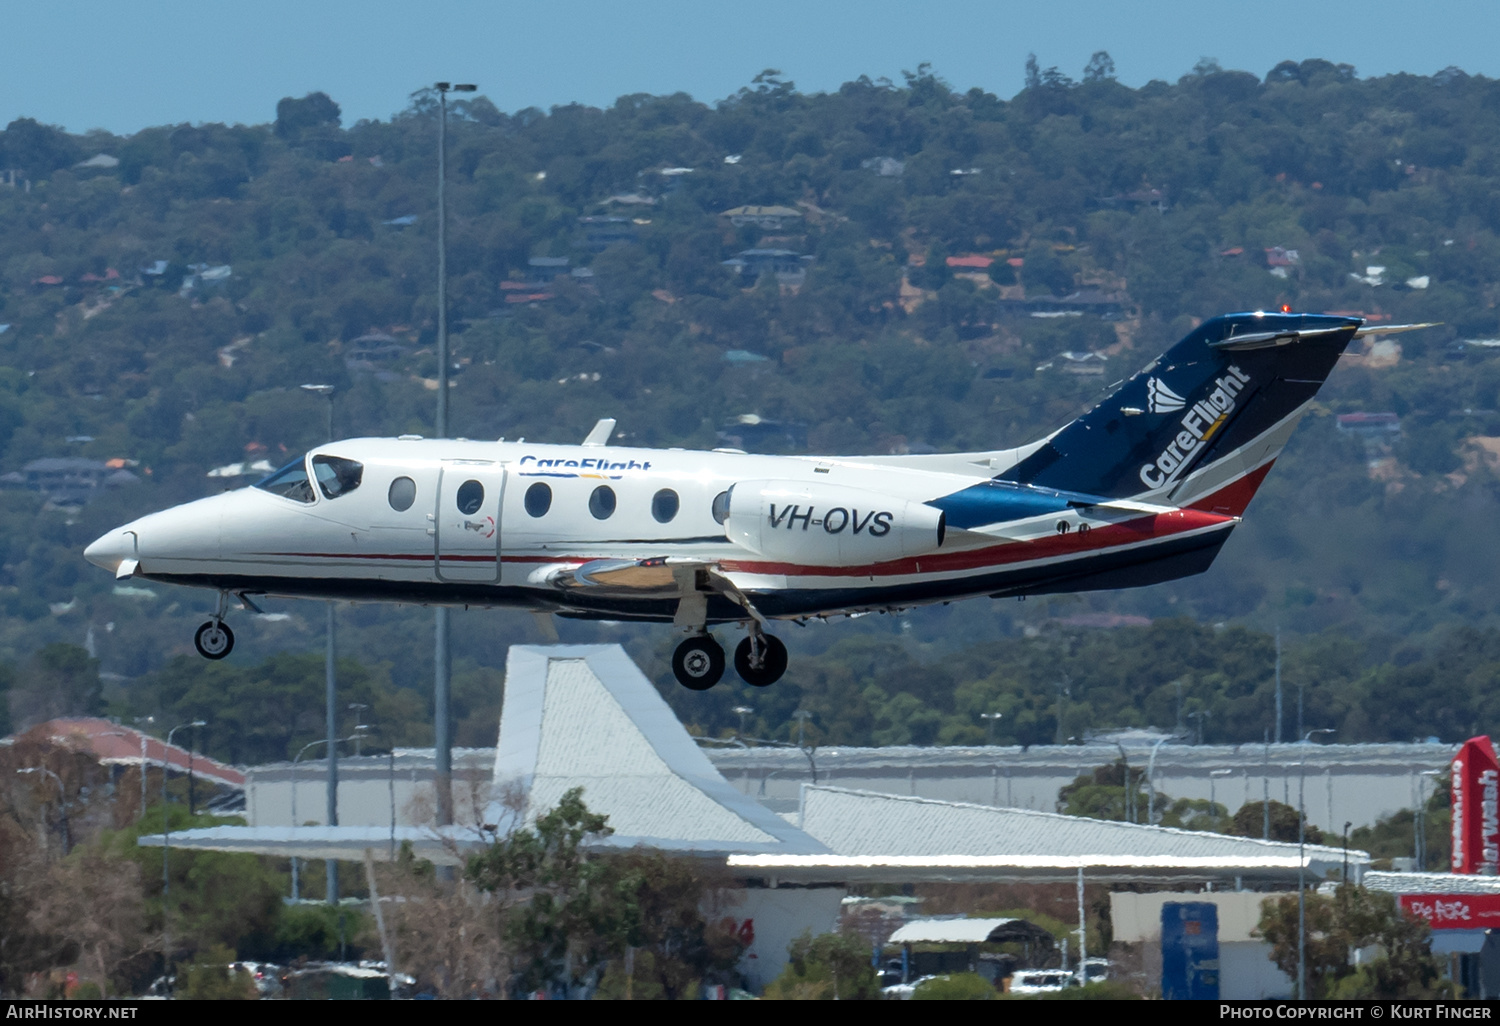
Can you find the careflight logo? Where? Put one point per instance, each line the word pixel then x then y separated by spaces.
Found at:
pixel 1203 420
pixel 531 466
pixel 1161 399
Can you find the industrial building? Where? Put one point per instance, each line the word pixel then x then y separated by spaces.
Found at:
pixel 585 716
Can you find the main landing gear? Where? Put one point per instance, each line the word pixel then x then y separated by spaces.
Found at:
pixel 214 640
pixel 760 660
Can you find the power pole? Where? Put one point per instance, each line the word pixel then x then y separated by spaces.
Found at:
pixel 442 660
pixel 1278 686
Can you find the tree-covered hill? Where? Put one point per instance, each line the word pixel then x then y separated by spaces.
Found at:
pixel 163 301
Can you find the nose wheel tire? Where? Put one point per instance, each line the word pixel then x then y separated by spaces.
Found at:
pixel 214 640
pixel 772 663
pixel 698 663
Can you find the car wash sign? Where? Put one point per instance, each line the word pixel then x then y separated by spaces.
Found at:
pixel 1476 808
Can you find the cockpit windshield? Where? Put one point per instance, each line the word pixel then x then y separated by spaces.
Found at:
pixel 336 475
pixel 290 482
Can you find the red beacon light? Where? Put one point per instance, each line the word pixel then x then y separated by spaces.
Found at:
pixel 1286 308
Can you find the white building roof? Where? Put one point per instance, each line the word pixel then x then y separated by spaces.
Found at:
pixel 880 836
pixel 1431 883
pixel 574 716
pixel 585 716
pixel 947 931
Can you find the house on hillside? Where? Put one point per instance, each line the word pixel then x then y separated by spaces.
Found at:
pixel 768 218
pixel 600 232
pixel 548 268
pixel 1371 427
pixel 789 267
pixel 374 353
pixel 69 480
pixel 1107 306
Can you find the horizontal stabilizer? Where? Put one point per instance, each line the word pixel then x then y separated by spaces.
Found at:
pixel 1392 329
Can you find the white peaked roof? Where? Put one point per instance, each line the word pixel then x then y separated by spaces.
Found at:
pixel 947 931
pixel 585 716
pixel 873 836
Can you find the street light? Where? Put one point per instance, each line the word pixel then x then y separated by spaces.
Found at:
pixel 358 708
pixel 1129 805
pixel 1302 867
pixel 330 689
pixel 801 716
pixel 1213 776
pixel 333 882
pixel 743 711
pixel 1347 824
pixel 62 801
pixel 991 718
pixel 1419 821
pixel 144 738
pixel 166 840
pixel 1151 781
pixel 442 729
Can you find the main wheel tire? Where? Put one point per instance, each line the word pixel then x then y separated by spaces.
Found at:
pixel 214 640
pixel 698 663
pixel 773 662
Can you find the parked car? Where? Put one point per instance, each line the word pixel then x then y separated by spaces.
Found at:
pixel 1042 981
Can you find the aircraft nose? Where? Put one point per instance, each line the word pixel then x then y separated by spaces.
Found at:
pixel 110 550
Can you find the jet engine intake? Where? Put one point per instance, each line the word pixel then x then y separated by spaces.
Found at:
pixel 826 525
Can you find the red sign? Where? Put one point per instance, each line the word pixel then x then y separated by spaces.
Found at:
pixel 1476 808
pixel 1454 911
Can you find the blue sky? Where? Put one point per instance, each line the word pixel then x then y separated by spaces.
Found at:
pixel 126 66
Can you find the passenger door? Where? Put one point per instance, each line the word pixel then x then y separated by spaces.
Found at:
pixel 468 520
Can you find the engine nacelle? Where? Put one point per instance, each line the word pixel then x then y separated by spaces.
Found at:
pixel 813 524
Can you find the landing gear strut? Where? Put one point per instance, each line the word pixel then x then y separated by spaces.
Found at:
pixel 760 659
pixel 214 640
pixel 698 663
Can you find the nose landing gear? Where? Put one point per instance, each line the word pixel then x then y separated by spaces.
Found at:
pixel 214 640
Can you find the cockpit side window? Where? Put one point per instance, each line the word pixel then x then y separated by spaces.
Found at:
pixel 290 482
pixel 336 475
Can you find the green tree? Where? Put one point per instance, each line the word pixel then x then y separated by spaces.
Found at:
pixel 1114 791
pixel 1337 926
pixel 567 926
pixel 828 967
pixel 1250 821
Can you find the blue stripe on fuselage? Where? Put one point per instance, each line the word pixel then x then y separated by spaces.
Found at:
pixel 998 502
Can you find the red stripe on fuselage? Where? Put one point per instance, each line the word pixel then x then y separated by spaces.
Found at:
pixel 1147 528
pixel 1075 543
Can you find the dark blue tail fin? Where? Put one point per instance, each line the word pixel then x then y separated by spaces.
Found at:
pixel 1213 410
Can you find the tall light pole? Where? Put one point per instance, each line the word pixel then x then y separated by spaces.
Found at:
pixel 1302 867
pixel 442 739
pixel 742 711
pixel 1151 781
pixel 990 718
pixel 1129 805
pixel 166 840
pixel 1213 778
pixel 140 720
pixel 330 692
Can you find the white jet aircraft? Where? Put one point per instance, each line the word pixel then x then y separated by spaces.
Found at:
pixel 1144 488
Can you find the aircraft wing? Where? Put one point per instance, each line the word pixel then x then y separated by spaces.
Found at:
pixel 659 573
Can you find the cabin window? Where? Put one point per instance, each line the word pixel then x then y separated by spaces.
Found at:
pixel 721 507
pixel 402 494
pixel 538 499
pixel 664 506
pixel 470 497
pixel 289 482
pixel 336 475
pixel 602 502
